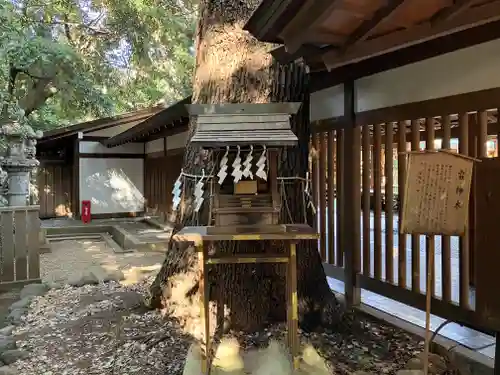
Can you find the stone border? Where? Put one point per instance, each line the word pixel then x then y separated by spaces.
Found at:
pixel 467 361
pixel 124 239
pixel 9 353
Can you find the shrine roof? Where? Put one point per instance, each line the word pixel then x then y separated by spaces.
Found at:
pixel 166 122
pixel 244 124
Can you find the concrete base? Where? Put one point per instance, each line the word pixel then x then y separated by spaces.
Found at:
pixel 462 358
pixel 118 238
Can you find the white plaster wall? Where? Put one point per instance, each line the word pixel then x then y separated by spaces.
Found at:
pixel 114 130
pixel 93 147
pixel 173 142
pixel 155 146
pixel 112 185
pixel 470 69
pixel 327 103
pixel 177 141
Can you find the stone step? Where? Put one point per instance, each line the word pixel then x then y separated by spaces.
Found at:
pixel 114 245
pixel 66 237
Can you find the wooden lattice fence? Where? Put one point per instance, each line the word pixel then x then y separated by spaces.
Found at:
pixel 19 246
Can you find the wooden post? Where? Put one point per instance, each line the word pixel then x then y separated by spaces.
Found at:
pixel 496 370
pixel 293 313
pixel 352 197
pixel 204 310
pixel 428 299
pixel 76 179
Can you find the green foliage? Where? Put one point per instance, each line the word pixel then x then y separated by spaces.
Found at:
pixel 66 61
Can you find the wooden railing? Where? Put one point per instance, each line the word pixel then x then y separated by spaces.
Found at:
pixel 19 246
pixel 382 260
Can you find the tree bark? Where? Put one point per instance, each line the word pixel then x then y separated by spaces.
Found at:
pixel 231 66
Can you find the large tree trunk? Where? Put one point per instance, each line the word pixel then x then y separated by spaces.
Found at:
pixel 233 67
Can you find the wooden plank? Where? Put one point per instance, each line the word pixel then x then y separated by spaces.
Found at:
pixel 407 55
pixel 57 191
pixel 340 197
pixel 76 180
pixel 331 196
pixel 21 249
pixel 463 148
pixel 482 135
pixel 446 280
pixel 482 152
pixel 33 245
pixel 315 175
pixel 487 303
pixel 415 239
pixel 322 195
pixel 430 241
pixel 493 129
pixel 312 13
pixel 247 259
pixel 401 188
pixel 467 102
pixel 471 230
pixel 377 196
pixel 381 15
pixel 7 250
pixel 352 200
pixel 233 122
pixel 477 16
pixel 294 313
pixel 366 200
pixel 50 191
pixel 389 208
pixel 454 10
pixel 204 301
pixel 235 109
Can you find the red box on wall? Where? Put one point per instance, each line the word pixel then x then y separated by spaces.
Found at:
pixel 86 212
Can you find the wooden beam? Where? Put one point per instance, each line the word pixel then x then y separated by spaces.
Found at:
pixel 454 10
pixel 284 57
pixel 168 132
pixel 480 15
pixel 395 59
pixel 466 102
pixel 368 26
pixel 493 129
pixel 319 36
pixel 312 13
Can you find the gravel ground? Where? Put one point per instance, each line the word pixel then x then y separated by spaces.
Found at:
pixel 70 258
pixel 104 329
pixel 98 330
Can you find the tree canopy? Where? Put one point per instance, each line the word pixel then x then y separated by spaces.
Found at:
pixel 65 61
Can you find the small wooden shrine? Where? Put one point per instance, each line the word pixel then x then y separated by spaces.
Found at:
pixel 246 198
pixel 245 204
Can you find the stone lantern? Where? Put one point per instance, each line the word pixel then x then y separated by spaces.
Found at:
pixel 19 161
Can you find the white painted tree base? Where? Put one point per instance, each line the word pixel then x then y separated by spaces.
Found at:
pixel 274 360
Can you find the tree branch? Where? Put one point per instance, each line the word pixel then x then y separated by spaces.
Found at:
pixel 41 91
pixel 33 76
pixel 13 72
pixel 67 30
pixel 95 30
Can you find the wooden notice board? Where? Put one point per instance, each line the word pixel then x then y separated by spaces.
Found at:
pixel 437 193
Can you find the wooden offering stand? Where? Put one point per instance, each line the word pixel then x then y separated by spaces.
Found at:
pixel 247 210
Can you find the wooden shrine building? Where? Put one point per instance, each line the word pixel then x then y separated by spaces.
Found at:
pixel 387 77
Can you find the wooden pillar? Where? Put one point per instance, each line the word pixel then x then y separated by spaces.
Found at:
pixel 76 178
pixel 352 197
pixel 204 309
pixel 293 314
